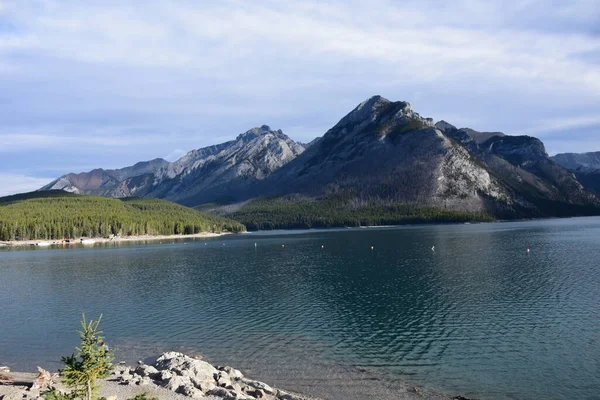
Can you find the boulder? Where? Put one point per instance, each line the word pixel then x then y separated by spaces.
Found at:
pixel 146 370
pixel 190 391
pixel 184 365
pixel 256 393
pixel 176 382
pixel 163 376
pixel 233 373
pixel 205 386
pixel 221 392
pixel 259 385
pixel 281 395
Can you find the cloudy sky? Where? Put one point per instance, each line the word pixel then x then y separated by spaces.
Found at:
pixel 86 84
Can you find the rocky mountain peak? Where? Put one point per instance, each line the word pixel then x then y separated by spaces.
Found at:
pixel 444 126
pixel 257 132
pixel 381 115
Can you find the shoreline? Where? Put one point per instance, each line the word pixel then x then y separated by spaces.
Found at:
pixel 92 241
pixel 174 375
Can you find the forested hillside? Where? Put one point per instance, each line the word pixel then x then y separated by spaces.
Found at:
pixel 57 215
pixel 338 211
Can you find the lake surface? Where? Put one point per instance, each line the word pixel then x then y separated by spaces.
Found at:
pixel 479 316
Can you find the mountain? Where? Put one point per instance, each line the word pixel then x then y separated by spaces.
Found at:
pixel 223 172
pixel 383 155
pixel 579 161
pixel 585 166
pixel 212 173
pixel 107 183
pixel 522 164
pixel 382 163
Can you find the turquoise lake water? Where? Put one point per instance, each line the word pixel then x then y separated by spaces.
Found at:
pixel 321 312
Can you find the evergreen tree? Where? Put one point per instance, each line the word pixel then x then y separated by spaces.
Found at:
pixel 91 362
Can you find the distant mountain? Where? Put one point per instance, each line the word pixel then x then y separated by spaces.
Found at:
pixel 212 173
pixel 585 166
pixel 106 183
pixel 579 161
pixel 381 163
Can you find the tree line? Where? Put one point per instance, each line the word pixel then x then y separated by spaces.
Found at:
pixel 335 211
pixel 73 216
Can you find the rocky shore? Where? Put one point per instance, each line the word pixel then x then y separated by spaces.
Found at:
pixel 176 376
pixel 40 242
pixel 173 375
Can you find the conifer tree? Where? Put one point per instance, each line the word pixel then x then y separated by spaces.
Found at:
pixel 91 362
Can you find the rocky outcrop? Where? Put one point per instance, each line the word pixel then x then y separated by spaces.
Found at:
pixel 195 378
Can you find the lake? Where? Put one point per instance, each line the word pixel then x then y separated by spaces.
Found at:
pixel 349 313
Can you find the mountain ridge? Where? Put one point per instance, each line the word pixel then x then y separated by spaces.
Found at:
pixel 381 153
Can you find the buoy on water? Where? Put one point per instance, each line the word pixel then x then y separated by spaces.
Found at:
pixel 322 246
pixel 372 247
pixel 528 250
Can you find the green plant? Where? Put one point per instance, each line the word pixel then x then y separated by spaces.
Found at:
pixel 143 396
pixel 91 362
pixel 53 394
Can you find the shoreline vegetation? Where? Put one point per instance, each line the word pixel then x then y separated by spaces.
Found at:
pixel 57 216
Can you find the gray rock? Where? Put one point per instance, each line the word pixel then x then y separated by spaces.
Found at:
pixel 190 391
pixel 281 395
pixel 145 380
pixel 259 385
pixel 221 392
pixel 256 393
pixel 146 370
pixel 233 373
pixel 205 386
pixel 184 365
pixel 164 376
pixel 176 382
pixel 125 378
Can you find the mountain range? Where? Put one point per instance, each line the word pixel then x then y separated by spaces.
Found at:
pixel 380 156
pixel 585 166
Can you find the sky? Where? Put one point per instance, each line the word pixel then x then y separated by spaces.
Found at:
pixel 88 84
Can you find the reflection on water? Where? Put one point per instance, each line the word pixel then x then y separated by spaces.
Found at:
pixel 478 316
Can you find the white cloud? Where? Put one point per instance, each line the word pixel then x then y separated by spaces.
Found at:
pixel 134 83
pixel 17 183
pixel 563 124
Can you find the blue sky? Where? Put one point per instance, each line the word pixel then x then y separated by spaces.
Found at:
pixel 86 84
